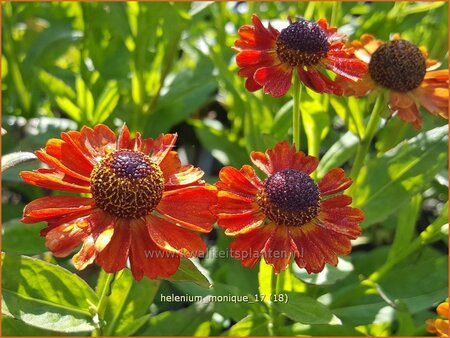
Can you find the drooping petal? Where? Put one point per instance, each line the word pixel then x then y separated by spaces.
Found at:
pixel 282 157
pixel 248 58
pixel 146 258
pixel 348 67
pixel 433 94
pixel 342 220
pixel 317 81
pixel 248 248
pixel 62 239
pixel 406 108
pixel 89 249
pixel 46 208
pixel 276 79
pixel 359 88
pixel 192 207
pixel 76 150
pixel 173 238
pixel 277 251
pixel 53 179
pixel 334 181
pixel 231 203
pixel 114 256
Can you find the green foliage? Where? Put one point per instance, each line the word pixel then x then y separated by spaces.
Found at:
pixel 166 67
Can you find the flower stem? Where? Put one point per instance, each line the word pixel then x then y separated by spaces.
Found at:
pixel 296 112
pixel 272 312
pixel 364 145
pixel 103 301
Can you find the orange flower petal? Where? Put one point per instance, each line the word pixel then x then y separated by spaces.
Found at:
pixel 336 202
pixel 244 183
pixel 161 146
pixel 317 81
pixel 248 247
pixel 307 255
pixel 241 223
pixel 282 157
pixel 52 179
pixel 114 256
pixel 277 251
pixel 123 140
pixel 344 221
pixel 334 181
pixel 49 207
pixel 442 310
pixel 442 327
pixel 258 58
pixel 170 237
pixel 232 203
pixel 349 68
pixel 99 141
pixel 256 37
pixel 275 80
pixel 192 207
pixel 55 163
pixel 251 85
pixel 75 151
pixel 146 258
pixel 175 174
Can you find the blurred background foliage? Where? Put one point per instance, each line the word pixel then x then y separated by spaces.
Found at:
pixel 168 67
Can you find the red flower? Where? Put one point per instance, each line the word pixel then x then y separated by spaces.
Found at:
pixel 406 72
pixel 142 205
pixel 288 214
pixel 267 57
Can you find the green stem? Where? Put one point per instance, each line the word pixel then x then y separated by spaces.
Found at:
pixel 335 13
pixel 272 312
pixel 296 112
pixel 371 129
pixel 103 301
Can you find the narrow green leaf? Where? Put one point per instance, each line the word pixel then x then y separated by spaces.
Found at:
pixel 188 272
pixel 303 309
pixel 45 295
pixel 69 108
pixel 85 100
pixel 106 102
pixel 265 280
pixel 55 85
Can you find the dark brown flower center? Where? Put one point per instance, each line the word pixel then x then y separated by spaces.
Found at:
pixel 127 184
pixel 289 197
pixel 398 65
pixel 302 43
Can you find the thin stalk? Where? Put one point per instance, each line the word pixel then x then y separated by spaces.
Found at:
pixel 103 302
pixel 364 145
pixel 296 112
pixel 272 312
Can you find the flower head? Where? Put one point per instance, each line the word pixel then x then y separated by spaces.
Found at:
pixel 268 57
pixel 404 70
pixel 288 214
pixel 440 326
pixel 142 204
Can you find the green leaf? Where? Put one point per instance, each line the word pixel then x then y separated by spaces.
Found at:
pixel 69 108
pixel 265 280
pixel 190 321
pixel 22 238
pixel 14 327
pixel 11 160
pixel 349 110
pixel 106 102
pixel 303 309
pixel 253 325
pixel 328 276
pixel 320 330
pixel 85 100
pixel 389 181
pixel 188 272
pixel 45 295
pixel 55 85
pixel 128 303
pixel 404 231
pixel 339 153
pixel 221 145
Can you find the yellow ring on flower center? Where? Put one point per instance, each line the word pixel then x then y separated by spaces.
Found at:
pixel 127 184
